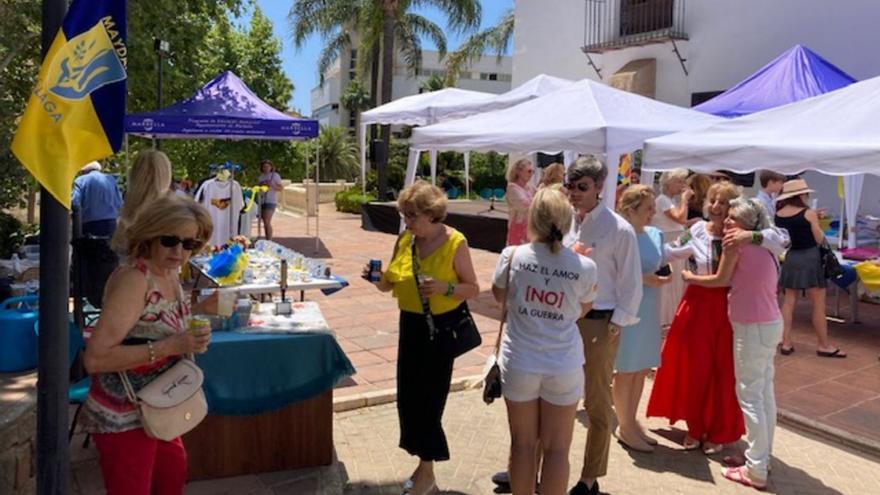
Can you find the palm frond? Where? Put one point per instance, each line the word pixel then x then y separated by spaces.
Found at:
pixel 331 51
pixel 496 39
pixel 424 28
pixel 409 45
pixel 461 15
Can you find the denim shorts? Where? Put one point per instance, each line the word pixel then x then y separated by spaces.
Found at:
pixel 268 206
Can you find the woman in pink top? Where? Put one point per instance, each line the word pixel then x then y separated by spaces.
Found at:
pixel 519 197
pixel 752 274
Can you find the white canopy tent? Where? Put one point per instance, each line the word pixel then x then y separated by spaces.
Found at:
pixel 535 87
pixel 413 110
pixel 836 133
pixel 586 117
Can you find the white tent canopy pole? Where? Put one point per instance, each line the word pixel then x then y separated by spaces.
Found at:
pixel 363 144
pixel 852 193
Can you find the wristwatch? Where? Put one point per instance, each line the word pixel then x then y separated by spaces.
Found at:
pixel 614 328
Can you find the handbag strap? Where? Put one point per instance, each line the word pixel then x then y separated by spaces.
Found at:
pixel 504 302
pixel 426 305
pixel 129 389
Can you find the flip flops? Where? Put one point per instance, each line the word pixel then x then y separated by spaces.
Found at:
pixel 741 475
pixel 786 352
pixel 836 353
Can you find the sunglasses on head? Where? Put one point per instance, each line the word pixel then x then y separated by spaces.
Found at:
pixel 171 241
pixel 580 186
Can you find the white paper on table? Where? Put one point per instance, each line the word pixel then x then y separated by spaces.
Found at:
pixel 306 317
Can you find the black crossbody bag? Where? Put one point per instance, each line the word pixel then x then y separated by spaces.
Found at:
pixel 452 333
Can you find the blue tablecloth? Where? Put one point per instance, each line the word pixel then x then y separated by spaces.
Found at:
pixel 253 373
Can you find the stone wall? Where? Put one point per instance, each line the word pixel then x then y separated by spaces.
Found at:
pixel 18 434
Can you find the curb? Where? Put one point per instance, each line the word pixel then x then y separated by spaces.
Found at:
pixel 831 433
pixel 377 397
pixel 841 437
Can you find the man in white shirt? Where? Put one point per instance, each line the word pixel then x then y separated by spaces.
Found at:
pixel 771 184
pixel 611 243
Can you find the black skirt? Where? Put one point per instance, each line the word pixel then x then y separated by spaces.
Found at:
pixel 802 269
pixel 423 378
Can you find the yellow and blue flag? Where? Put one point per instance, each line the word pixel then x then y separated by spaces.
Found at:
pixel 75 113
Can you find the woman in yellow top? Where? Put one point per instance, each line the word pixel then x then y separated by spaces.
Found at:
pixel 448 279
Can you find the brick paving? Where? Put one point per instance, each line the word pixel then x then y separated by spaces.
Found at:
pixel 842 395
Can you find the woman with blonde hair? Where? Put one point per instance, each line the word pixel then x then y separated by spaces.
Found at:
pixel 148 179
pixel 699 184
pixel 446 279
pixel 142 332
pixel 695 381
pixel 519 197
pixel 541 354
pixel 552 174
pixel 639 349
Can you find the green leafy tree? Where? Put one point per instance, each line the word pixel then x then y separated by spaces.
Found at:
pixel 356 99
pixel 497 39
pixel 338 154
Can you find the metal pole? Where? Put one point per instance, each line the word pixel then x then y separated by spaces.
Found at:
pixel 306 185
pixel 317 194
pixel 53 456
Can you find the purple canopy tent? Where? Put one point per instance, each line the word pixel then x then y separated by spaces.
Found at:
pixel 796 74
pixel 225 108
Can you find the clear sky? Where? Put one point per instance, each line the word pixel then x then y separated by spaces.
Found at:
pixel 301 65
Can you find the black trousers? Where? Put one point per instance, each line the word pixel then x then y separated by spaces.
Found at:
pixel 423 380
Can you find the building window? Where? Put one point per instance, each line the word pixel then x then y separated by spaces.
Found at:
pixel 488 76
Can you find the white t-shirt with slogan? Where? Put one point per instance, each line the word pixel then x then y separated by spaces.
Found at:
pixel 543 305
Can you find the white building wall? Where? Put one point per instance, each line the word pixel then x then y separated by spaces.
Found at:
pixel 729 40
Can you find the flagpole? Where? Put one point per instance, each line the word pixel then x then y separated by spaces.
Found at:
pixel 53 456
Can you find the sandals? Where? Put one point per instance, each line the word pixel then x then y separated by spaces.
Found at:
pixel 836 353
pixel 712 448
pixel 741 475
pixel 786 352
pixel 690 444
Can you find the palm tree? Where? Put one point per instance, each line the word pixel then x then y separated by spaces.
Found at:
pixel 497 38
pixel 388 24
pixel 339 154
pixel 433 83
pixel 355 99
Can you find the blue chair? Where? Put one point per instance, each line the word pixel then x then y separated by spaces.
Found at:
pixel 498 193
pixel 78 391
pixel 453 193
pixel 486 193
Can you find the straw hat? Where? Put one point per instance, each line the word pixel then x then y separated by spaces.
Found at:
pixel 794 188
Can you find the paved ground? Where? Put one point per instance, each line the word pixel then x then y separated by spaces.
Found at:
pixel 371 464
pixel 843 395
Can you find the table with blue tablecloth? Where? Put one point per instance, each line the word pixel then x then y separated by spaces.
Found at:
pixel 270 403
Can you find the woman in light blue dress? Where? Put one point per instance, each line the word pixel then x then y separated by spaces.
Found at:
pixel 639 349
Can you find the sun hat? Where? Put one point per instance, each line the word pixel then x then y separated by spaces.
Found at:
pixel 93 166
pixel 793 188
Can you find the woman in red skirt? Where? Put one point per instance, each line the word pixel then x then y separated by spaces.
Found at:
pixel 695 381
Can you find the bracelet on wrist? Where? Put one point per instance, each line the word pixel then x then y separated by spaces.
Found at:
pixel 757 238
pixel 152 351
pixel 450 289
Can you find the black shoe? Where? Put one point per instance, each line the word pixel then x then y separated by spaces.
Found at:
pixel 502 482
pixel 581 489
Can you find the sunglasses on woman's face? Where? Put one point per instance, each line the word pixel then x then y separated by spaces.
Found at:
pixel 171 241
pixel 580 186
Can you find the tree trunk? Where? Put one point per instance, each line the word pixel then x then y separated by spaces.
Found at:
pixel 31 204
pixel 390 8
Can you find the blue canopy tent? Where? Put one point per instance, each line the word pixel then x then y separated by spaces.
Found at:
pixel 225 108
pixel 797 74
pixel 793 76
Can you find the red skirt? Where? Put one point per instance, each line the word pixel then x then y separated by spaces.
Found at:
pixel 696 381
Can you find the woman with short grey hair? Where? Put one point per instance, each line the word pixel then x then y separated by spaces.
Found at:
pixel 671 214
pixel 751 273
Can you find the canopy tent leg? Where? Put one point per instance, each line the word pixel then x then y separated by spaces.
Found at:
pixel 568 157
pixel 432 154
pixel 852 194
pixel 467 174
pixel 363 143
pixel 306 185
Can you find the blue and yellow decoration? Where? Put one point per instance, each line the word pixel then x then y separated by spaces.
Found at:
pixel 227 266
pixel 75 113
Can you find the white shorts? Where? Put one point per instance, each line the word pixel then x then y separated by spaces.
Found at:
pixel 563 389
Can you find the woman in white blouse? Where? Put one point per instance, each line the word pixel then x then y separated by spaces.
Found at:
pixel 671 214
